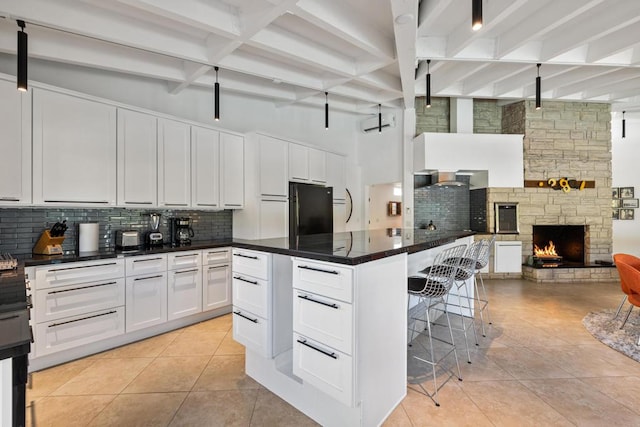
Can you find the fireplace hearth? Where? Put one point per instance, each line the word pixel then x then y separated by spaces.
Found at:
pixel 559 245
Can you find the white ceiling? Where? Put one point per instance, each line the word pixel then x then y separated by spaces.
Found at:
pixel 292 51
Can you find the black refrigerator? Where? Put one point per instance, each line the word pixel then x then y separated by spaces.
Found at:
pixel 310 209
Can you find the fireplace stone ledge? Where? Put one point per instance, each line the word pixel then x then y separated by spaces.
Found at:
pixel 592 273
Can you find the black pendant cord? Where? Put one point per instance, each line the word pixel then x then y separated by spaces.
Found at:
pixel 379 118
pixel 326 110
pixel 216 98
pixel 538 90
pixel 624 125
pixel 428 84
pixel 21 73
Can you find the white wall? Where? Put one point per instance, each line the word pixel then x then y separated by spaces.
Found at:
pixel 379 196
pixel 625 155
pixel 380 154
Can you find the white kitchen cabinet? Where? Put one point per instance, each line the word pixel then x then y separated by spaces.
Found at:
pixel 273 164
pixel 205 163
pixel 146 300
pixel 317 166
pixel 137 159
pixel 184 297
pixel 216 278
pixel 174 163
pixel 15 145
pixel 336 176
pixel 74 150
pixel 298 163
pixel 339 217
pixel 232 171
pixel 507 257
pixel 274 213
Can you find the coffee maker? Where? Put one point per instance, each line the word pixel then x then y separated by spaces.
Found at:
pixel 181 231
pixel 154 236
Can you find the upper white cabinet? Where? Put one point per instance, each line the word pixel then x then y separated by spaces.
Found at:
pixel 336 176
pixel 232 171
pixel 317 166
pixel 74 150
pixel 174 163
pixel 298 163
pixel 15 145
pixel 137 159
pixel 273 161
pixel 205 164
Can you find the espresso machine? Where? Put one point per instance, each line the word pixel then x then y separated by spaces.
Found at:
pixel 154 236
pixel 181 231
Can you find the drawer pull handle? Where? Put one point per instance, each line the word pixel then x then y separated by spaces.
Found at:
pixel 242 279
pixel 305 267
pixel 219 266
pixel 9 318
pixel 81 288
pixel 308 298
pixel 246 256
pixel 183 256
pixel 138 203
pixel 216 252
pixel 9 199
pixel 84 318
pixel 147 278
pixel 186 271
pixel 86 266
pixel 325 352
pixel 147 260
pixel 237 313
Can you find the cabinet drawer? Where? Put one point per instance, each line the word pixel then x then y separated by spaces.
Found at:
pixel 190 259
pixel 79 272
pixel 252 331
pixel 65 301
pixel 251 294
pixel 145 264
pixel 323 367
pixel 63 334
pixel 215 256
pixel 325 279
pixel 324 320
pixel 252 263
pixel 184 292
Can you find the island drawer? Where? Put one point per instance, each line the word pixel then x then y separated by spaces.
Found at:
pixel 216 256
pixel 325 368
pixel 324 320
pixel 145 264
pixel 65 301
pixel 190 259
pixel 325 279
pixel 251 263
pixel 252 331
pixel 251 294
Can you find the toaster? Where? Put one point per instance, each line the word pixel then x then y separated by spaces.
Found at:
pixel 128 239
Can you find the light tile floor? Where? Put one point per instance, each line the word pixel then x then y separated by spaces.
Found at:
pixel 537 366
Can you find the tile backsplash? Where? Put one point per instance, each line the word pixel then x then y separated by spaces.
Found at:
pixel 20 228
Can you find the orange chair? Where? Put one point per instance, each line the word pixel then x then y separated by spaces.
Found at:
pixel 635 263
pixel 630 280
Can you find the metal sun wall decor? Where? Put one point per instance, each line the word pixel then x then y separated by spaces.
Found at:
pixel 565 184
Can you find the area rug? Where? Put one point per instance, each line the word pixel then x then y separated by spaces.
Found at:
pixel 606 329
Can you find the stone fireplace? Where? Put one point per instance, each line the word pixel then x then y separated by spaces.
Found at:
pixel 568 242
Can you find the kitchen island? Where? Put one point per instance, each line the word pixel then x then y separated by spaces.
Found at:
pixel 324 318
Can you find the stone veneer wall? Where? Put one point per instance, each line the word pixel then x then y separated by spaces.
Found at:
pixel 487 116
pixel 563 139
pixel 434 119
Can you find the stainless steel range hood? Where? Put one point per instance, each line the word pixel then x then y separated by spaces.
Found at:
pixel 448 179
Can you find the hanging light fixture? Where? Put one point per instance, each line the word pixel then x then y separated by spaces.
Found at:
pixel 428 97
pixel 476 14
pixel 326 110
pixel 22 58
pixel 538 90
pixel 216 98
pixel 379 118
pixel 624 125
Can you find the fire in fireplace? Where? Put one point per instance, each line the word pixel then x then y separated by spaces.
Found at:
pixel 559 244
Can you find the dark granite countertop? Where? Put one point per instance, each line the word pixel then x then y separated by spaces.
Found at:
pixel 351 248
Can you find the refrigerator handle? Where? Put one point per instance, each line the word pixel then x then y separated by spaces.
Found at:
pixel 297 205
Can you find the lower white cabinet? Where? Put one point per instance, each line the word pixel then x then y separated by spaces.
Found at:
pixel 216 286
pixel 184 292
pixel 254 332
pixel 146 300
pixel 507 257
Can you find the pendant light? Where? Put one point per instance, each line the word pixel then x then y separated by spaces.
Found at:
pixel 624 125
pixel 216 98
pixel 428 85
pixel 379 118
pixel 326 110
pixel 476 14
pixel 22 58
pixel 538 90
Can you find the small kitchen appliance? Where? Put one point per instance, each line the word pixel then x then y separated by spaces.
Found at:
pixel 181 231
pixel 154 237
pixel 128 240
